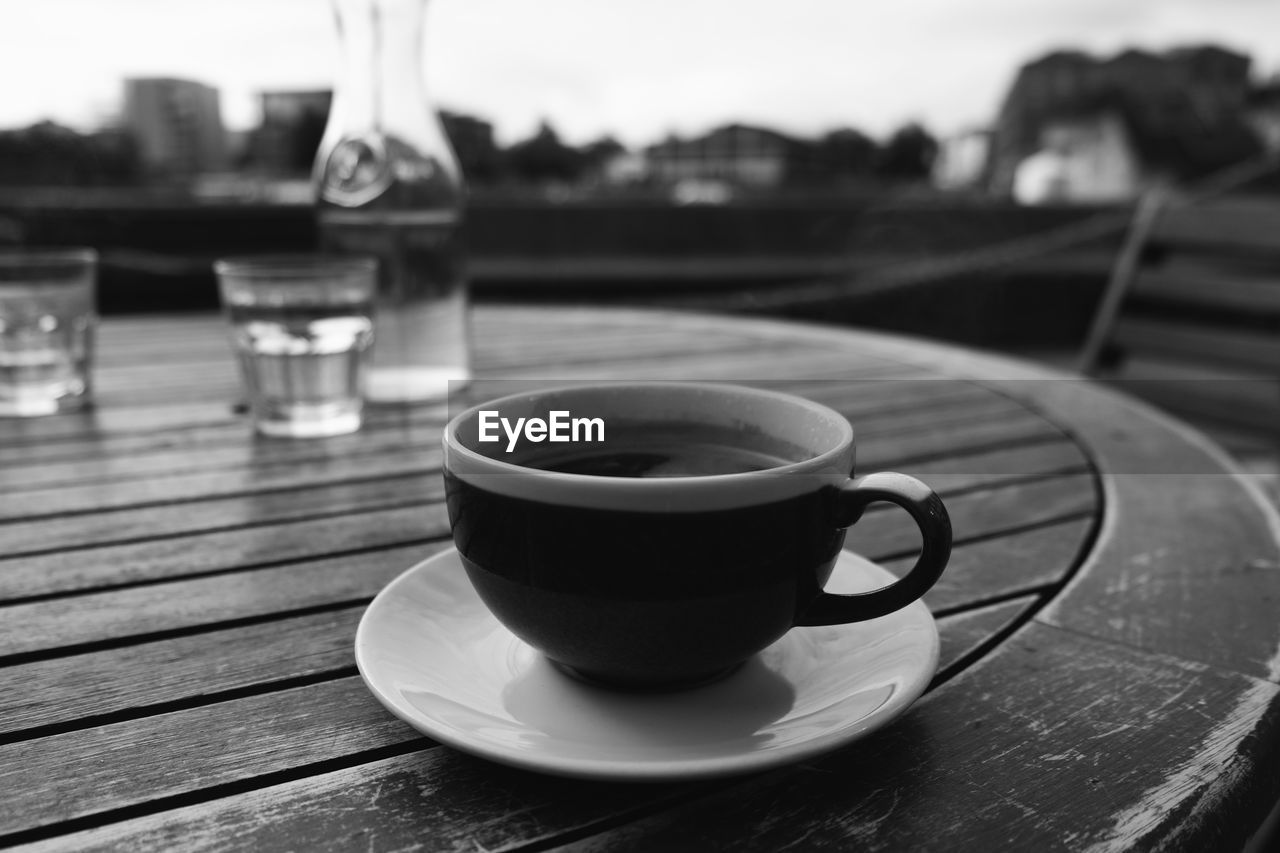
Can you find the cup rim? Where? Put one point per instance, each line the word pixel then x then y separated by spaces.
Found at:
pixel 814 464
pixel 45 256
pixel 299 265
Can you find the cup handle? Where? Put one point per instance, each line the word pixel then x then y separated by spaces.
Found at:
pixel 852 498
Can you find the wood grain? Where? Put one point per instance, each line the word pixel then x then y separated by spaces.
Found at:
pixel 185 604
pixel 1051 769
pixel 142 674
pixel 400 802
pixel 244 481
pixel 110 615
pixel 56 693
pixel 112 766
pixel 889 533
pixel 265 487
pixel 965 636
pixel 360 529
pixel 1192 567
pixel 125 480
pixel 1054 742
pixel 237 449
pixel 220 551
pixel 1004 565
pixel 64 534
pixel 464 800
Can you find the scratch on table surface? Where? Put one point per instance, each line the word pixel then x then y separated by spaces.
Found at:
pixel 1154 713
pixel 1008 799
pixel 1070 754
pixel 893 806
pixel 801 839
pixel 856 826
pixel 1117 730
pixel 1027 811
pixel 377 795
pixel 1039 727
pixel 1207 775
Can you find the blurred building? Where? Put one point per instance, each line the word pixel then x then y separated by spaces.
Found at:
pixel 1264 114
pixel 961 159
pixel 289 136
pixel 738 154
pixel 624 167
pixel 1114 126
pixel 1089 155
pixel 472 141
pixel 176 125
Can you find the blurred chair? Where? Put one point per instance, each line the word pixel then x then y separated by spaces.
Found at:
pixel 1190 318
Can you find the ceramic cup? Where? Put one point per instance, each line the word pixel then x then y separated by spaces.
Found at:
pixel 693 530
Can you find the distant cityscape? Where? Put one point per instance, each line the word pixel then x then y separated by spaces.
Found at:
pixel 170 132
pixel 1072 127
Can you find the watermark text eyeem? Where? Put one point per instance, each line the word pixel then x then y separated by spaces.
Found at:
pixel 559 425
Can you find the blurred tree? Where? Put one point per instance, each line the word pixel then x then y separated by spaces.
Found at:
pixel 908 154
pixel 846 152
pixel 48 154
pixel 602 150
pixel 597 155
pixel 543 157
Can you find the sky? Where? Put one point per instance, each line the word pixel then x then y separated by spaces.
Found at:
pixel 634 69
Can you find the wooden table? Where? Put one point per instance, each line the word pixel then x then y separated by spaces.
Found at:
pixel 178 601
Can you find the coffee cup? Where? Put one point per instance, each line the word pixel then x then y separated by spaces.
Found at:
pixel 655 535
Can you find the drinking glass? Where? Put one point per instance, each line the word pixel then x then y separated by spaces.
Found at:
pixel 300 327
pixel 47 321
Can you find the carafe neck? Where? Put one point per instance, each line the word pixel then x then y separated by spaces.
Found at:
pixel 381 83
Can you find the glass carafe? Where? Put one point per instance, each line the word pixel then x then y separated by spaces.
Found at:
pixel 388 185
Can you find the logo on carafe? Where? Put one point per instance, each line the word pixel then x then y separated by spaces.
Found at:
pixel 356 172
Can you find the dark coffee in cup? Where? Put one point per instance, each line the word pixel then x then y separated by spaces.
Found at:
pixel 700 528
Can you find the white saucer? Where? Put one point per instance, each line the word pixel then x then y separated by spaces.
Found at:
pixel 433 655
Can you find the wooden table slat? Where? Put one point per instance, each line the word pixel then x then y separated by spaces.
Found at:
pixel 131 524
pixel 123 764
pixel 1032 560
pixel 219 551
pixel 186 604
pixel 93 686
